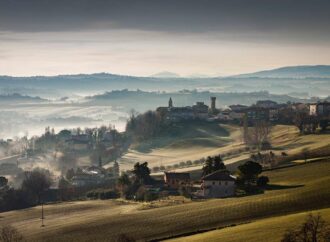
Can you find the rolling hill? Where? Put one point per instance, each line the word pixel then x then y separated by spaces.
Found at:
pixel 294 190
pixel 318 71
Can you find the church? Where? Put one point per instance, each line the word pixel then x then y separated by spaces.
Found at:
pixel 199 111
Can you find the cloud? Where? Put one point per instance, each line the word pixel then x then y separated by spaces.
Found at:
pixel 298 16
pixel 148 36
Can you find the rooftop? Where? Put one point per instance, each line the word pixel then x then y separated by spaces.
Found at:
pixel 221 175
pixel 177 175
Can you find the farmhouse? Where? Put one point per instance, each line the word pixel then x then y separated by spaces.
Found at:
pixel 218 184
pixel 321 109
pixel 175 180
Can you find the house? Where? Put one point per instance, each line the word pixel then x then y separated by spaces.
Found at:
pixel 257 114
pixel 238 107
pixel 218 184
pixel 266 104
pixel 321 109
pixel 85 179
pixel 175 180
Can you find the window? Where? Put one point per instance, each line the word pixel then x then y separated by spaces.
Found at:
pixel 226 183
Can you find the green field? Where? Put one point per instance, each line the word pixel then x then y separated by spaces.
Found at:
pixel 295 189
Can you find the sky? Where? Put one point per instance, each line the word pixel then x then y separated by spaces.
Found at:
pixel 143 37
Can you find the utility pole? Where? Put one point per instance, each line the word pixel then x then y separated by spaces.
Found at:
pixel 42 215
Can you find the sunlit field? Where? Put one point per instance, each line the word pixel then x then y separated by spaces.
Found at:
pixel 295 189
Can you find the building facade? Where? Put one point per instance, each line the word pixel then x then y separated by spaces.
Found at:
pixel 218 184
pixel 175 180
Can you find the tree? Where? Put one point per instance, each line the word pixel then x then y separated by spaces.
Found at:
pixel 249 171
pixel 36 183
pixel 10 234
pixel 3 181
pixel 207 168
pixel 124 184
pixel 213 164
pixel 69 174
pixel 257 135
pixel 142 173
pixel 218 163
pixel 314 229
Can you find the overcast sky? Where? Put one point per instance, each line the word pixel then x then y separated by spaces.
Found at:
pixel 142 37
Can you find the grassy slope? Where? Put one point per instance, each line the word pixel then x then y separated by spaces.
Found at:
pixel 287 138
pixel 304 187
pixel 270 228
pixel 193 142
pixel 283 138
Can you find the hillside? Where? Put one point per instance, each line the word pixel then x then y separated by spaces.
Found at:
pixel 186 142
pixel 271 228
pixel 295 189
pixel 213 141
pixel 319 71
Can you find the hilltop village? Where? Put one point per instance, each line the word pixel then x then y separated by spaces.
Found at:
pixel 265 110
pixel 97 164
pixel 105 145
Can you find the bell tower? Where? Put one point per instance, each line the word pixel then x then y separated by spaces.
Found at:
pixel 170 103
pixel 213 107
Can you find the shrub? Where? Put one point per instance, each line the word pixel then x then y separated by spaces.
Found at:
pixel 196 162
pixel 150 196
pixel 262 181
pixel 102 194
pixel 143 194
pixel 182 164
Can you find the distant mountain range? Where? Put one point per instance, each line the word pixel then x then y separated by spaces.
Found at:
pixel 319 71
pixel 165 74
pixel 310 80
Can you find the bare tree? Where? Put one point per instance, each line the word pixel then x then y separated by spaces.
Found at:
pixel 36 182
pixel 10 234
pixel 258 135
pixel 314 229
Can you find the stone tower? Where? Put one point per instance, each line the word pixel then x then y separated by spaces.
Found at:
pixel 213 108
pixel 170 103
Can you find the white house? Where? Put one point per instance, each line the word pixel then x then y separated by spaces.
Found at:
pixel 218 184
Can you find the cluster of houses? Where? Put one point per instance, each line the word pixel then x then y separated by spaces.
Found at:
pixel 267 110
pixel 219 184
pixel 198 111
pixel 90 176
